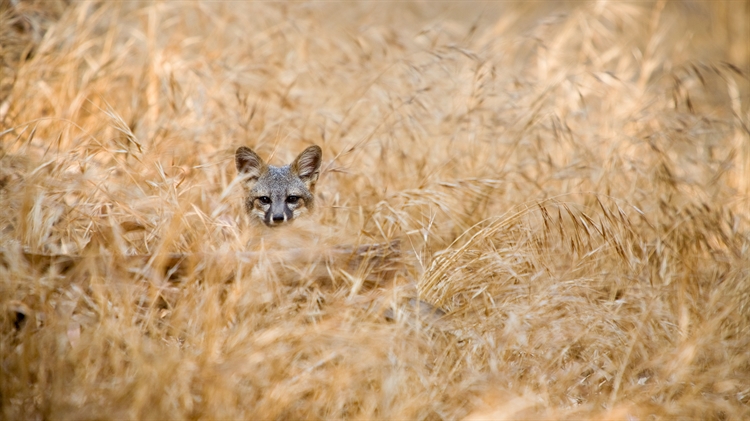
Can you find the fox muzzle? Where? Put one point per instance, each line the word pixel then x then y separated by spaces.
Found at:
pixel 278 214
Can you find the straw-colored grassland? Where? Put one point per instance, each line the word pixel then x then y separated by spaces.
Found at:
pixel 534 210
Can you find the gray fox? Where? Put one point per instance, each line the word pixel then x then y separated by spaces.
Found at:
pixel 279 195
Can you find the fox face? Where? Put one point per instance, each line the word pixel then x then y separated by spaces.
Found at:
pixel 278 195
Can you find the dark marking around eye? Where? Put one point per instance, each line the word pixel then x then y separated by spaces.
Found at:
pixel 292 199
pixel 264 200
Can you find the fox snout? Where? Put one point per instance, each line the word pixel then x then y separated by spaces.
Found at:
pixel 278 195
pixel 280 215
pixel 280 211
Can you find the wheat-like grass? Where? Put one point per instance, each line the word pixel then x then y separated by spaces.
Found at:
pixel 527 211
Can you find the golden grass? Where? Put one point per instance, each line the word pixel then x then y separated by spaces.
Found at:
pixel 567 182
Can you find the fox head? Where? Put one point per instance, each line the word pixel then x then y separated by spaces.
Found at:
pixel 278 195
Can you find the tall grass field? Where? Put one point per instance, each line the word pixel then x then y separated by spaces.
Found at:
pixel 526 210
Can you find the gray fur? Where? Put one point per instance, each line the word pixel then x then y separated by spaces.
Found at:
pixel 278 195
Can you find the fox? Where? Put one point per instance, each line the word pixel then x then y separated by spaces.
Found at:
pixel 276 196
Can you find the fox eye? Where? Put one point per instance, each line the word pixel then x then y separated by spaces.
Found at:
pixel 292 199
pixel 264 200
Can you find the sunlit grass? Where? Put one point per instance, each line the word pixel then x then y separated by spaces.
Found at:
pixel 525 211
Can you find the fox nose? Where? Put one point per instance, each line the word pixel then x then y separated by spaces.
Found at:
pixel 278 217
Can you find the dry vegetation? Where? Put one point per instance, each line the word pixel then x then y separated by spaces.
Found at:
pixel 568 183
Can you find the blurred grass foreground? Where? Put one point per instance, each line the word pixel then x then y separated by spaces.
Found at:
pixel 533 210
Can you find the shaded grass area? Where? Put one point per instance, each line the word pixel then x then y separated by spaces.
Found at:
pixel 526 211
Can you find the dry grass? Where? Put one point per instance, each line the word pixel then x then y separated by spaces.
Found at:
pixel 567 182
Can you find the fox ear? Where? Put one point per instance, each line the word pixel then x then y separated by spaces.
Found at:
pixel 307 165
pixel 248 163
